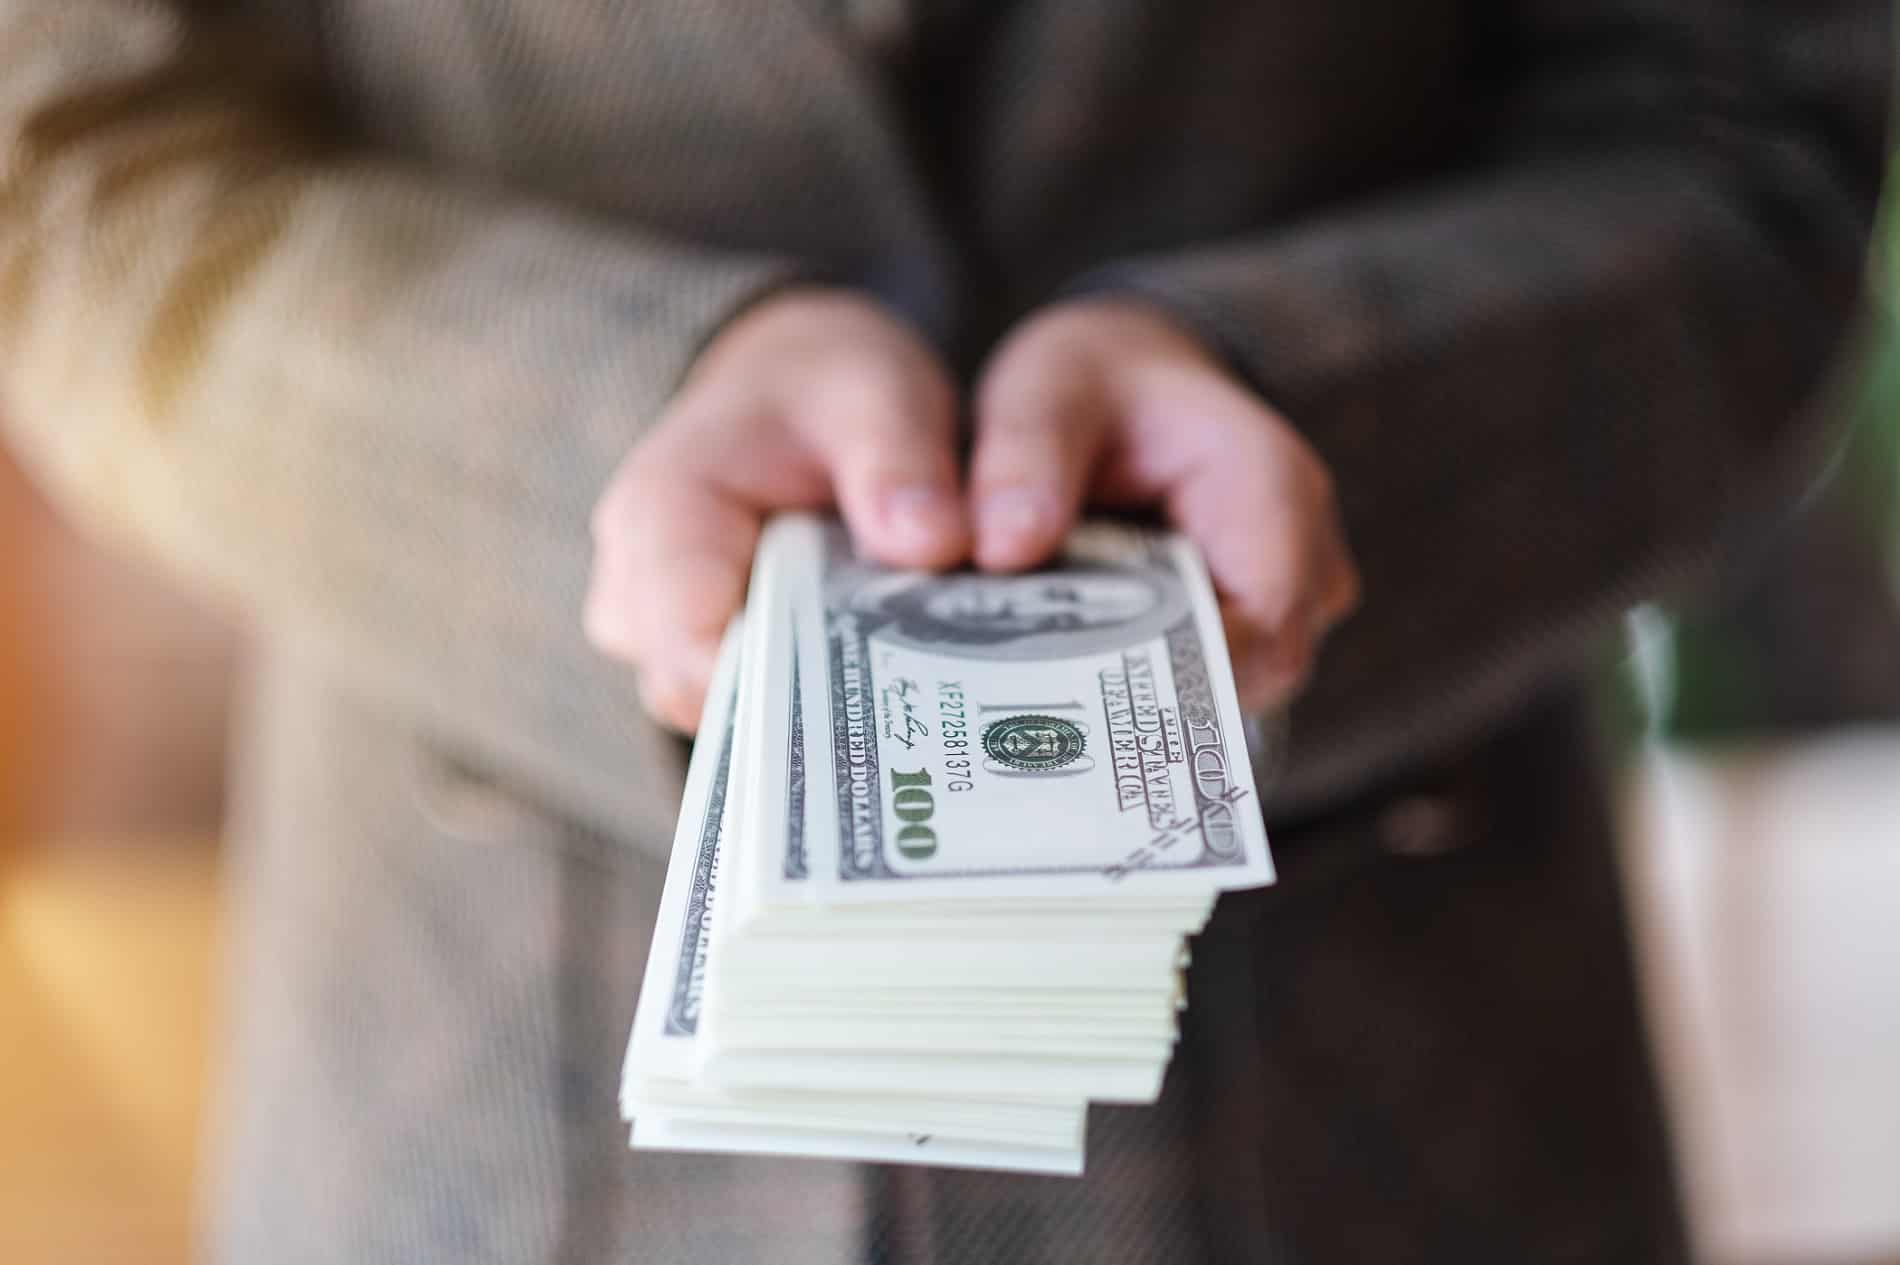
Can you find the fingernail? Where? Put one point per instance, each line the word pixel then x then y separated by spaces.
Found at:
pixel 919 516
pixel 1015 516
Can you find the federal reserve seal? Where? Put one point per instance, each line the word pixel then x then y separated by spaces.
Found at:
pixel 1033 743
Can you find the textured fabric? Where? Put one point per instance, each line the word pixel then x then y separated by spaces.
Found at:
pixel 436 1003
pixel 372 377
pixel 352 306
pixel 1546 284
pixel 1550 383
pixel 1385 1058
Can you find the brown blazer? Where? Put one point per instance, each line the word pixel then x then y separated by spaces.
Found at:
pixel 350 306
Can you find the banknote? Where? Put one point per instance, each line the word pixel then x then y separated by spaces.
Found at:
pixel 874 1146
pixel 659 1081
pixel 672 991
pixel 1019 1123
pixel 952 1073
pixel 943 845
pixel 1070 732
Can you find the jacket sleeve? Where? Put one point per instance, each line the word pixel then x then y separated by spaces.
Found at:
pixel 369 402
pixel 1551 387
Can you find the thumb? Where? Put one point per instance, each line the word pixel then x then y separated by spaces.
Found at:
pixel 886 436
pixel 1042 421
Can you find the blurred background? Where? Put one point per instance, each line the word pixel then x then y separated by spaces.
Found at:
pixel 1760 748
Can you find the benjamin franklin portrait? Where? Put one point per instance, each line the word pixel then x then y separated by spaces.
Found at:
pixel 1081 607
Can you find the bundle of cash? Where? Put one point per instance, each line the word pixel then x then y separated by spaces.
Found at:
pixel 943 841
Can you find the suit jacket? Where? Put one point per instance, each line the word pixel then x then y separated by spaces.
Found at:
pixel 350 307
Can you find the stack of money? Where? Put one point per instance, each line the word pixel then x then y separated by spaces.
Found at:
pixel 943 840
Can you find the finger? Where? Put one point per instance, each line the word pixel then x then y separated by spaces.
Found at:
pixel 1343 589
pixel 1256 500
pixel 1041 425
pixel 1271 668
pixel 674 701
pixel 1272 665
pixel 1260 507
pixel 672 554
pixel 1257 548
pixel 886 435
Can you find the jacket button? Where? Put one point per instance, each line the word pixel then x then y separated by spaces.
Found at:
pixel 1423 826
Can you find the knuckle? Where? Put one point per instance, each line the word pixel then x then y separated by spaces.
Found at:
pixel 600 522
pixel 868 389
pixel 668 698
pixel 1017 377
pixel 621 497
pixel 1296 658
pixel 1052 394
pixel 858 426
pixel 609 633
pixel 1270 679
pixel 1275 599
pixel 1013 457
pixel 1323 488
pixel 1260 449
pixel 710 604
pixel 658 472
pixel 616 518
pixel 1287 666
pixel 615 507
pixel 636 473
pixel 1348 593
pixel 1351 581
pixel 1290 453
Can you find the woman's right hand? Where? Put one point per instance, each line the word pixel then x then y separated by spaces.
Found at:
pixel 812 398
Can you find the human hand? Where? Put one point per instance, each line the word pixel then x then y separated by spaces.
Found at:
pixel 1106 401
pixel 810 399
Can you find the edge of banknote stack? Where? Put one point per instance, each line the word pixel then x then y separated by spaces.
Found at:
pixel 942 843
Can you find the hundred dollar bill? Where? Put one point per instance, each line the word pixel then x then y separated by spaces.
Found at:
pixel 773 883
pixel 664 1134
pixel 658 1082
pixel 774 879
pixel 898 1074
pixel 1068 733
pixel 672 991
pixel 773 886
